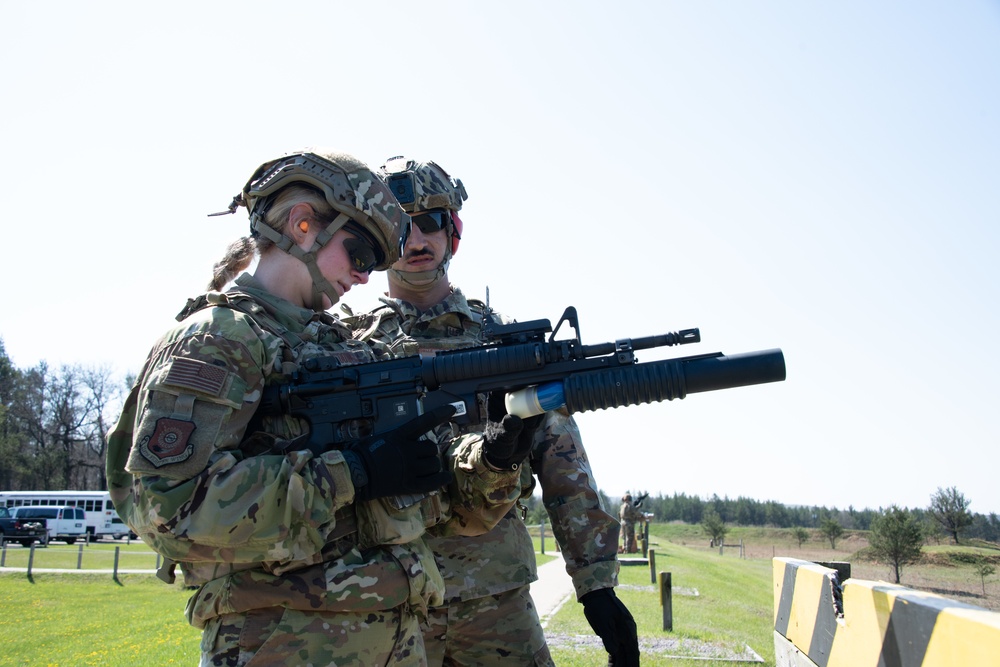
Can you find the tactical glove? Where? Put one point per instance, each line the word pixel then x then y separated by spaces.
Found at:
pixel 507 438
pixel 613 623
pixel 399 462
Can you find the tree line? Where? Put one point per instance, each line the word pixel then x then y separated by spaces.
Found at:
pixel 946 514
pixel 54 423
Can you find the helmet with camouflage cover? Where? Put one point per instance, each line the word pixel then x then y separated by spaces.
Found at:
pixel 421 187
pixel 363 203
pixel 348 185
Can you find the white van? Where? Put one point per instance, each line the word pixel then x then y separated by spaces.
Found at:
pixel 62 522
pixel 118 529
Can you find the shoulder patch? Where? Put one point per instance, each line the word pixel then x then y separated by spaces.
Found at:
pixel 197 375
pixel 168 443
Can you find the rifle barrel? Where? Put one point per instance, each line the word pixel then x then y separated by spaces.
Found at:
pixel 669 379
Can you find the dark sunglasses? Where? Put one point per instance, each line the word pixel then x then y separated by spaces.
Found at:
pixel 432 221
pixel 361 253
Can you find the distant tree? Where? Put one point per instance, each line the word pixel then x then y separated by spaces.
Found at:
pixel 896 538
pixel 776 514
pixel 985 527
pixel 714 526
pixel 536 513
pixel 720 506
pixel 950 509
pixel 9 441
pixel 39 459
pixel 800 534
pixel 861 520
pixel 933 532
pixel 100 415
pixel 831 530
pixel 983 569
pixel 746 511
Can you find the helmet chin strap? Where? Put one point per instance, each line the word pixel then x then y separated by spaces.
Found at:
pixel 421 281
pixel 320 285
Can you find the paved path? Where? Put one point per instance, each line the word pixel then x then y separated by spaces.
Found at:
pixel 552 590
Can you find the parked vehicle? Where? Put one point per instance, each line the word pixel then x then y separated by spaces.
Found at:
pixel 23 531
pixel 120 529
pixel 61 522
pixel 97 505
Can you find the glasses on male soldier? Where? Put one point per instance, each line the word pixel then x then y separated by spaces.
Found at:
pixel 432 221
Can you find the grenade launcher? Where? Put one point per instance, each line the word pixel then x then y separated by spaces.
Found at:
pixel 538 372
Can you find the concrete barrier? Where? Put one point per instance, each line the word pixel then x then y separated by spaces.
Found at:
pixel 821 622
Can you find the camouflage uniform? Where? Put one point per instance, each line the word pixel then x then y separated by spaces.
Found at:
pixel 489 617
pixel 629 514
pixel 289 569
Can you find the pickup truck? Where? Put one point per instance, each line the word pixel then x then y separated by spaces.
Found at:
pixel 23 531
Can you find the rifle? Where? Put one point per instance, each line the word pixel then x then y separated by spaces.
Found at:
pixel 638 501
pixel 344 403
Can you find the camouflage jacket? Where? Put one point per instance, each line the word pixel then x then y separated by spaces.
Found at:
pixel 504 558
pixel 629 513
pixel 253 520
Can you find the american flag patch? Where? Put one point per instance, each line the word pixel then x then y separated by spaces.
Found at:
pixel 197 375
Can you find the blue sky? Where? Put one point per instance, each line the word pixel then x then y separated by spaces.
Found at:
pixel 815 177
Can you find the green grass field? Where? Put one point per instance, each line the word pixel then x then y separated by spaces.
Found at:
pixel 68 620
pixel 89 619
pixel 721 603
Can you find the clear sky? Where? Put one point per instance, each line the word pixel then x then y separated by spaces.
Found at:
pixel 819 177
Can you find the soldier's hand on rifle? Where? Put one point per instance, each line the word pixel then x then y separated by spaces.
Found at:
pixel 507 438
pixel 399 462
pixel 613 623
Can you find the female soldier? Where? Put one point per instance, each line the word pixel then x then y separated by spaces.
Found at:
pixel 297 555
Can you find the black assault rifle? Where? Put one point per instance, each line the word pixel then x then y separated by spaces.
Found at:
pixel 344 403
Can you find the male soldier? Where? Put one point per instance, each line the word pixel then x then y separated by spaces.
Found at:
pixel 489 617
pixel 629 514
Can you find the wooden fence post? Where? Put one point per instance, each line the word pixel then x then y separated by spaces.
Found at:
pixel 79 558
pixel 541 530
pixel 666 599
pixel 652 566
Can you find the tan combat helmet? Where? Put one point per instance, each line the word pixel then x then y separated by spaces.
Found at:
pixel 423 187
pixel 364 203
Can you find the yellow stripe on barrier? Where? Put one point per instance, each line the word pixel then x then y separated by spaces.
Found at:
pixel 805 610
pixel 962 636
pixel 882 625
